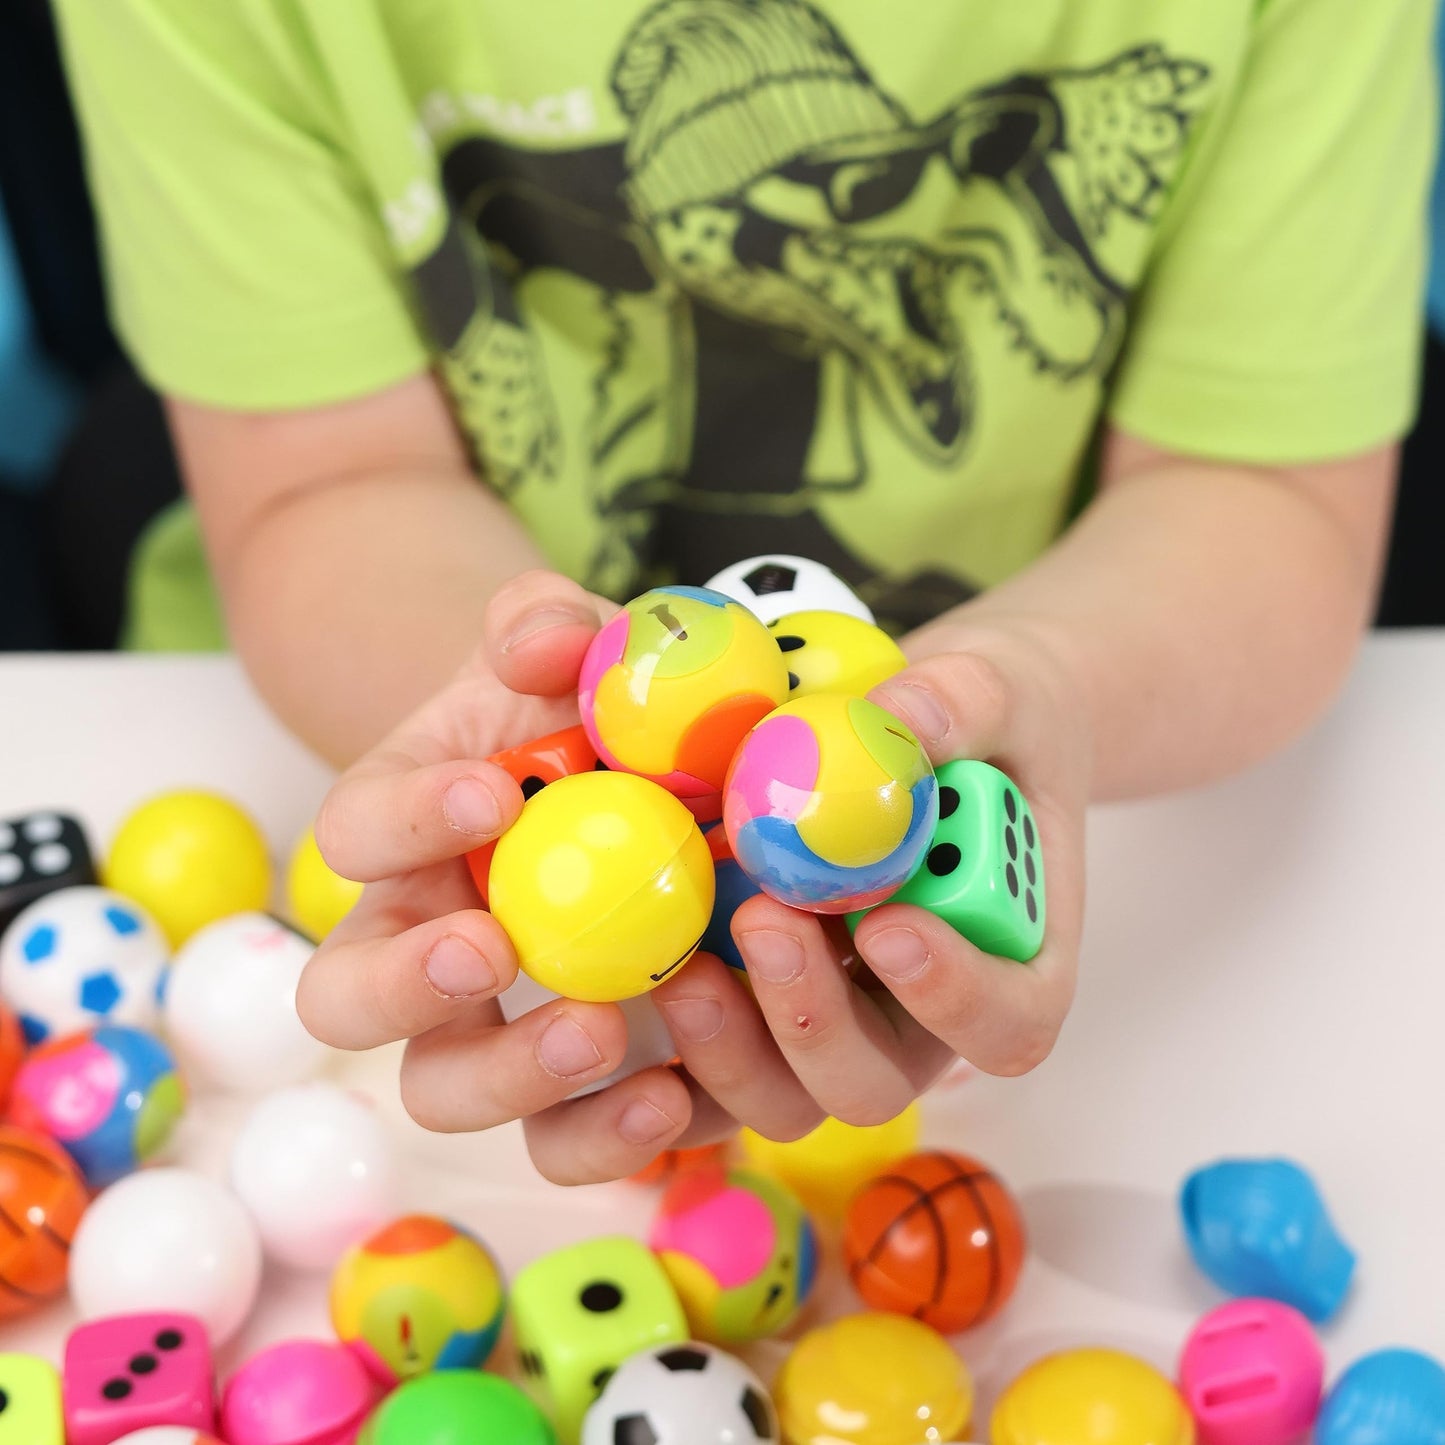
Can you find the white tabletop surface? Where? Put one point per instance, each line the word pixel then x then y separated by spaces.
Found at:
pixel 1263 973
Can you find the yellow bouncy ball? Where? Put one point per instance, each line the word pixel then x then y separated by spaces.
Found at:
pixel 1091 1397
pixel 826 1168
pixel 833 652
pixel 316 897
pixel 604 885
pixel 874 1379
pixel 189 858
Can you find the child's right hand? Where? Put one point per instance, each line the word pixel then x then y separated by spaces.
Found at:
pixel 417 959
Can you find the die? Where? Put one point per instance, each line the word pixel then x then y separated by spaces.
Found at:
pixel 983 874
pixel 30 1412
pixel 579 1312
pixel 126 1372
pixel 39 854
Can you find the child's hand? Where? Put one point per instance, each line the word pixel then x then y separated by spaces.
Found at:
pixel 418 959
pixel 861 1049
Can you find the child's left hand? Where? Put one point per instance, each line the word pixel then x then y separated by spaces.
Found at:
pixel 862 1048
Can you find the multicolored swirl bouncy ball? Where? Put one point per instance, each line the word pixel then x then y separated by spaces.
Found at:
pixel 671 686
pixel 111 1096
pixel 740 1251
pixel 420 1294
pixel 830 804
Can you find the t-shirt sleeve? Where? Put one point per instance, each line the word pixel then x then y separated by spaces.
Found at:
pixel 1281 320
pixel 248 266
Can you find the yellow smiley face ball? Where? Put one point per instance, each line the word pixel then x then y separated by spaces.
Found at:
pixel 317 897
pixel 1091 1397
pixel 190 858
pixel 874 1379
pixel 833 652
pixel 826 1168
pixel 604 885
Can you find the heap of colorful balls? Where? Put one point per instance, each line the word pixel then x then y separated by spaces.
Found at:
pixel 114 995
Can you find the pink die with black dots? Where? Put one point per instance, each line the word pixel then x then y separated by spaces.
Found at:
pixel 127 1372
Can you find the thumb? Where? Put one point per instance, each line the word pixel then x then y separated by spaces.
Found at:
pixel 538 628
pixel 959 705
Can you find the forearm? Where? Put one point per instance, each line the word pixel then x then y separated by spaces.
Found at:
pixel 351 603
pixel 1204 615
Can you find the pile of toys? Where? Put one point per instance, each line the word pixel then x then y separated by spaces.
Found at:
pixel 738 710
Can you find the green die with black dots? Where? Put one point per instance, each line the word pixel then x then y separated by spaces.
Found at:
pixel 579 1312
pixel 984 873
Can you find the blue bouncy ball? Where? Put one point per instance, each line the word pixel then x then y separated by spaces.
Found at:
pixel 1258 1228
pixel 1393 1397
pixel 734 888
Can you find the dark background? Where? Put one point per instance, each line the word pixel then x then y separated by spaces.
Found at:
pixel 63 550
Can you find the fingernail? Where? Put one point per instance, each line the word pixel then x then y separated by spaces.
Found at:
pixel 919 708
pixel 695 1019
pixel 469 807
pixel 541 621
pixel 456 970
pixel 897 953
pixel 774 957
pixel 642 1122
pixel 566 1049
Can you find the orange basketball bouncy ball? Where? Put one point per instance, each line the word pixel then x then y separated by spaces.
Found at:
pixel 937 1237
pixel 42 1197
pixel 12 1051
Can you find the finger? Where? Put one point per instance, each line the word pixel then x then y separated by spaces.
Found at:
pixel 711 1123
pixel 613 1133
pixel 840 1045
pixel 538 628
pixel 361 992
pixel 387 817
pixel 959 705
pixel 465 1075
pixel 726 1047
pixel 1001 1016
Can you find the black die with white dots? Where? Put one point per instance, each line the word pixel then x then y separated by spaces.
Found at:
pixel 39 854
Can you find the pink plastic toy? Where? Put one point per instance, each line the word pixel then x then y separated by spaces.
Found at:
pixel 131 1371
pixel 302 1392
pixel 1252 1373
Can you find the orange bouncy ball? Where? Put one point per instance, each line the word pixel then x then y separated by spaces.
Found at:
pixel 937 1237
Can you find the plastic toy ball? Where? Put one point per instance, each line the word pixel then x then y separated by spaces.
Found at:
pixel 740 1251
pixel 1393 1397
pixel 43 1196
pixel 317 897
pixel 316 1170
pixel 826 1168
pixel 455 1407
pixel 937 1237
pixel 1251 1373
pixel 1258 1227
pixel 834 652
pixel 1091 1397
pixel 301 1392
pixel 80 957
pixel 230 1006
pixel 671 685
pixel 533 765
pixel 672 1164
pixel 604 885
pixel 687 1394
pixel 420 1294
pixel 12 1051
pixel 875 1379
pixel 775 586
pixel 111 1097
pixel 830 804
pixel 167 1239
pixel 190 858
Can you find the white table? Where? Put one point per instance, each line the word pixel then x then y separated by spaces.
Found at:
pixel 1264 972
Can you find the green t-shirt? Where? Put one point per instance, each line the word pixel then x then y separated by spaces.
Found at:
pixel 851 279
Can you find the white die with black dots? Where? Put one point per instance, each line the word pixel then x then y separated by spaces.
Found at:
pixel 776 586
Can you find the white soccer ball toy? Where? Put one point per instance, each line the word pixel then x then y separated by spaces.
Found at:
pixel 230 1005
pixel 688 1394
pixel 317 1171
pixel 772 587
pixel 167 1239
pixel 80 957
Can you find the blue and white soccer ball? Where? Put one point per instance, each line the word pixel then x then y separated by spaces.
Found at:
pixel 80 957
